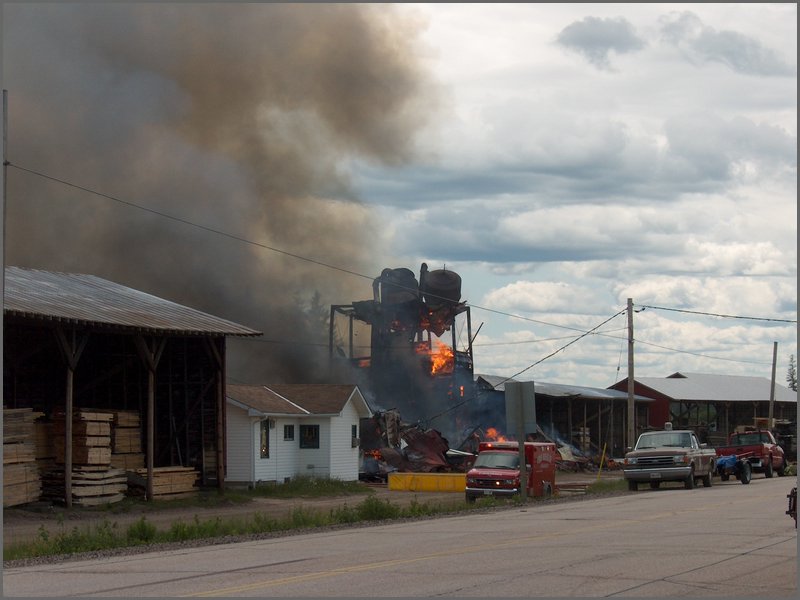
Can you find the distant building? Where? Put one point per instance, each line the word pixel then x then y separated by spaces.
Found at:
pixel 712 404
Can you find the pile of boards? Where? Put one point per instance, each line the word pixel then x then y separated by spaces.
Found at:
pixel 21 480
pixel 168 482
pixel 93 479
pixel 107 459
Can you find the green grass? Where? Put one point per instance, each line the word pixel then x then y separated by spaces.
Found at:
pixel 607 486
pixel 108 535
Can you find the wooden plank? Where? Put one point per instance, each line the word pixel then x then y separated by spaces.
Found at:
pixel 83 428
pixel 88 441
pixel 19 452
pixel 98 500
pixel 20 473
pixel 128 461
pixel 97 490
pixel 86 456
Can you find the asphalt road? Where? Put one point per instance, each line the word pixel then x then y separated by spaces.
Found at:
pixel 727 540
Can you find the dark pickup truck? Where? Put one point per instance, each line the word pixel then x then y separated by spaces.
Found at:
pixel 669 455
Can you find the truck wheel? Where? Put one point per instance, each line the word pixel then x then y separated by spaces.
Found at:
pixel 707 480
pixel 768 468
pixel 689 483
pixel 654 485
pixel 633 486
pixel 724 476
pixel 470 499
pixel 782 468
pixel 747 473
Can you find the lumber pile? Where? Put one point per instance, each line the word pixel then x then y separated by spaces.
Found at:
pixel 21 480
pixel 168 482
pixel 93 479
pixel 91 485
pixel 126 440
pixel 91 437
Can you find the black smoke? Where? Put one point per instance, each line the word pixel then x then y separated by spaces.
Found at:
pixel 239 117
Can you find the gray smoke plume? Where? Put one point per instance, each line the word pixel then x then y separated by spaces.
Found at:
pixel 238 117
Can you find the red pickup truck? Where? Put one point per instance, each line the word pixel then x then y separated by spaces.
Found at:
pixel 759 448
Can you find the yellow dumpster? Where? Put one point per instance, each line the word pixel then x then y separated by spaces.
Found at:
pixel 428 482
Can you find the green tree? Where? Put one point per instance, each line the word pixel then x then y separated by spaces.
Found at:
pixel 791 375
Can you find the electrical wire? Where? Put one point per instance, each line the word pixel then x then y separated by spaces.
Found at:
pixel 709 314
pixel 258 244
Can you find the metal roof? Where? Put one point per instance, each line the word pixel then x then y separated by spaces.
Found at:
pixel 719 388
pixel 90 300
pixel 313 399
pixel 560 390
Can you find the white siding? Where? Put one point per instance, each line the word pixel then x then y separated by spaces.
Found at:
pixel 239 444
pixel 343 457
pixel 286 450
pixel 314 461
pixel 266 469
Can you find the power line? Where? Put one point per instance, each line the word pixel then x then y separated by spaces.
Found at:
pixel 368 277
pixel 257 244
pixel 190 223
pixel 709 314
pixel 752 362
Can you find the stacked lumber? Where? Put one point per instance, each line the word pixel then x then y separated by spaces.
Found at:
pixel 91 485
pixel 168 482
pixel 91 438
pixel 45 448
pixel 21 480
pixel 93 480
pixel 126 440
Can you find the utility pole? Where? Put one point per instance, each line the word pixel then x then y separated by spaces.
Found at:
pixel 772 386
pixel 3 234
pixel 631 405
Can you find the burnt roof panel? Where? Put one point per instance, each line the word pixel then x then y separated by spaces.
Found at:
pixel 90 300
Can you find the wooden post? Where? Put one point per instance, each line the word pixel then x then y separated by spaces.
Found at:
pixel 631 380
pixel 71 350
pixel 150 357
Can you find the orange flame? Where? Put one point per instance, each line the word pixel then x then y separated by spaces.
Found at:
pixel 442 358
pixel 494 435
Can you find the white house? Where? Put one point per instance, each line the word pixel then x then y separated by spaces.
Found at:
pixel 276 432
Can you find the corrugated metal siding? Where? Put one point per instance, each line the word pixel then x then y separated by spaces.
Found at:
pixel 79 298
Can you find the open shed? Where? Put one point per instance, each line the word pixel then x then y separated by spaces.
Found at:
pixel 76 341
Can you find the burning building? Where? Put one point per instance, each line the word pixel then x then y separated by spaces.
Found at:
pixel 410 364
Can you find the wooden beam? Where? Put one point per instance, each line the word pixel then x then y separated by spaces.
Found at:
pixel 150 353
pixel 71 350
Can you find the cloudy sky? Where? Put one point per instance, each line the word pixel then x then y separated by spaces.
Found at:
pixel 561 158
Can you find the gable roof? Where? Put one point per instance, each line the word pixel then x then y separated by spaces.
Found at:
pixel 90 300
pixel 321 399
pixel 721 388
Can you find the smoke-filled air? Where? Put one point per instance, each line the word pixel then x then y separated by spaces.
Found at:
pixel 238 118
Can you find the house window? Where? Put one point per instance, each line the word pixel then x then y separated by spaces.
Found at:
pixel 309 436
pixel 353 431
pixel 265 438
pixel 288 432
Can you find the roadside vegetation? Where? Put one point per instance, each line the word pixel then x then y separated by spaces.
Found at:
pixel 109 535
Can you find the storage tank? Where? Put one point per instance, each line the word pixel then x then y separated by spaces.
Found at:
pixel 440 287
pixel 398 286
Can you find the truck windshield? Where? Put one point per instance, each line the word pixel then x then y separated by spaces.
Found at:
pixel 749 438
pixel 662 439
pixel 497 460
